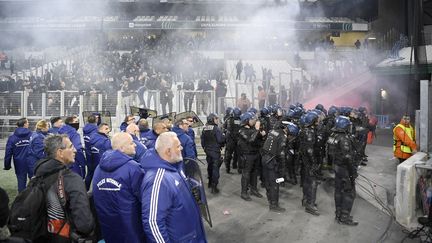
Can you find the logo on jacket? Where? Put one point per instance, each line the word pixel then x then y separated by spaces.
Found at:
pixel 109 184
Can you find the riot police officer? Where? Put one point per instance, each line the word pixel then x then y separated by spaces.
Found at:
pixel 232 127
pixel 212 141
pixel 364 120
pixel 341 148
pixel 249 141
pixel 329 123
pixel 310 166
pixel 273 161
pixel 291 151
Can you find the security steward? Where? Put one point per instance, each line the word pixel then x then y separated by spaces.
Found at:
pixel 212 141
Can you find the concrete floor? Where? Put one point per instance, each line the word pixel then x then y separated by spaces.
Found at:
pixel 235 220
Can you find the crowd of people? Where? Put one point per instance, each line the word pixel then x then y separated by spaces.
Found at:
pixel 140 179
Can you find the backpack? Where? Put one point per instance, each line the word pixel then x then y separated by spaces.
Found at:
pixel 28 214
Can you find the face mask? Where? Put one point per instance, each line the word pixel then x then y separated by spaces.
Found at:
pixel 142 128
pixel 75 125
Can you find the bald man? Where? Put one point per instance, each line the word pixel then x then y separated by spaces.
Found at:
pixel 169 210
pixel 158 128
pixel 116 191
pixel 140 149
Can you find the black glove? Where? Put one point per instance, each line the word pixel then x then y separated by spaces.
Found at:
pixel 196 194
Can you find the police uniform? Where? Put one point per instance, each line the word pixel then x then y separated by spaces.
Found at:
pixel 212 140
pixel 248 146
pixel 232 127
pixel 310 168
pixel 273 160
pixel 340 146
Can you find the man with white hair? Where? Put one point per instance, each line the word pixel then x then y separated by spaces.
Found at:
pixel 116 192
pixel 169 210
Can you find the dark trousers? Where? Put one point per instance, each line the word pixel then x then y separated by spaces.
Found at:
pixel 91 167
pixel 249 172
pixel 238 75
pixel 290 167
pixel 188 101
pixel 344 191
pixel 22 175
pixel 213 164
pixel 261 104
pixel 270 172
pixel 310 185
pixel 231 153
pixel 164 103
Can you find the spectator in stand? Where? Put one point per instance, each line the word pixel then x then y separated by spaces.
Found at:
pixel 220 92
pixel 239 68
pixel 188 86
pixel 283 97
pixel 56 123
pixel 261 97
pixel 272 96
pixel 166 95
pixel 152 86
pixel 357 44
pixel 116 192
pixel 243 103
pixel 203 97
pixel 17 147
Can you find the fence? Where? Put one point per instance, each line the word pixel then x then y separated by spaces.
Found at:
pixel 35 106
pixel 383 121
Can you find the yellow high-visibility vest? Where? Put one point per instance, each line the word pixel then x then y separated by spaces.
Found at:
pixel 409 131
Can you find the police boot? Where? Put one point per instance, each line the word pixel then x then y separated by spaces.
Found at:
pixel 347 220
pixel 274 207
pixel 214 189
pixel 312 209
pixel 256 193
pixel 245 196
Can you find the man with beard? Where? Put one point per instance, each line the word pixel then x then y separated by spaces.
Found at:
pixel 169 210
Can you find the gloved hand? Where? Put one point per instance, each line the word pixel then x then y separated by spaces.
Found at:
pixel 315 169
pixel 196 194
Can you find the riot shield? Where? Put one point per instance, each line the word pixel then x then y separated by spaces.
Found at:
pixel 196 120
pixel 170 116
pixel 142 112
pixel 104 117
pixel 193 174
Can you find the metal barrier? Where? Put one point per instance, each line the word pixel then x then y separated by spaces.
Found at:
pixel 202 102
pixel 383 121
pixel 34 105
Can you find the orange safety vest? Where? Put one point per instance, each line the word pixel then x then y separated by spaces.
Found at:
pixel 409 131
